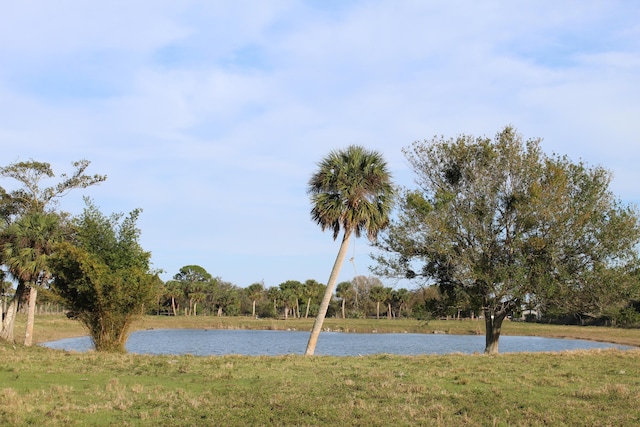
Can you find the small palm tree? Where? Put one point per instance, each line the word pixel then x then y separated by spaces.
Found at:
pixel 378 294
pixel 255 291
pixel 351 191
pixel 344 291
pixel 173 290
pixel 27 244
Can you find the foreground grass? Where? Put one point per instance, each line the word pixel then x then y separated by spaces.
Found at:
pixel 585 388
pixel 47 387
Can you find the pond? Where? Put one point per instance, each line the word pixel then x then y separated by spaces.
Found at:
pixel 201 342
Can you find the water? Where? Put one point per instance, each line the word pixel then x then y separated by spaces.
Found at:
pixel 201 342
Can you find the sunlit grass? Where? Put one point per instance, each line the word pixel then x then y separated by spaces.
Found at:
pixel 48 387
pixel 39 386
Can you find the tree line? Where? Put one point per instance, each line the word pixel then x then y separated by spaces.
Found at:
pixel 195 292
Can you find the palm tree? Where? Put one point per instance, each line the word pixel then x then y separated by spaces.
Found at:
pixel 173 290
pixel 255 291
pixel 344 291
pixel 194 280
pixel 273 293
pixel 313 292
pixel 291 291
pixel 31 200
pixel 378 294
pixel 351 191
pixel 27 244
pixel 400 298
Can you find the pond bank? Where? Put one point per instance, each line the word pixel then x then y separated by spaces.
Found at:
pixel 55 327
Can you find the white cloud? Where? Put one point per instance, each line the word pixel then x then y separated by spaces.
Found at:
pixel 211 116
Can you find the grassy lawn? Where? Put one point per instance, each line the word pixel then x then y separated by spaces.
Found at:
pixel 39 386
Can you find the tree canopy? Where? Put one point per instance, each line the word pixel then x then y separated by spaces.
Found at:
pixel 499 222
pixel 31 196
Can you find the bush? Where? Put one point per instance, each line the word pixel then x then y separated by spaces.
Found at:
pixel 103 276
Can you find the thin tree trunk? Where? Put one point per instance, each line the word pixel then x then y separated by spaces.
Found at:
pixel 173 306
pixel 253 309
pixel 31 315
pixel 377 309
pixel 343 301
pixel 326 299
pixel 389 311
pixel 308 305
pixel 8 322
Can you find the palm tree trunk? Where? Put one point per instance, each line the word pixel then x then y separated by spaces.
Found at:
pixel 31 314
pixel 326 299
pixel 306 314
pixel 10 316
pixel 343 300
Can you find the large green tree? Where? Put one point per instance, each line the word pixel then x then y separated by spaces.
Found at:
pixel 499 222
pixel 195 281
pixel 103 275
pixel 31 205
pixel 351 191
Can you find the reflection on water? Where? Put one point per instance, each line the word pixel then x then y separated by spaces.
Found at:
pixel 270 343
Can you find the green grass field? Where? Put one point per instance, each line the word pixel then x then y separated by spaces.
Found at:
pixel 39 386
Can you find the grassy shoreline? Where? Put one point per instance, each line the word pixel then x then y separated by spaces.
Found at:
pixel 40 386
pixel 54 327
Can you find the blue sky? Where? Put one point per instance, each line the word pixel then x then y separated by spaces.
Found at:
pixel 211 115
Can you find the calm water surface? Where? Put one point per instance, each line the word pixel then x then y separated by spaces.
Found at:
pixel 201 342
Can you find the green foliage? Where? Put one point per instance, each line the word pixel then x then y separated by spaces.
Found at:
pixel 193 291
pixel 26 245
pixel 33 225
pixel 628 316
pixel 352 190
pixel 103 276
pixel 496 222
pixel 266 309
